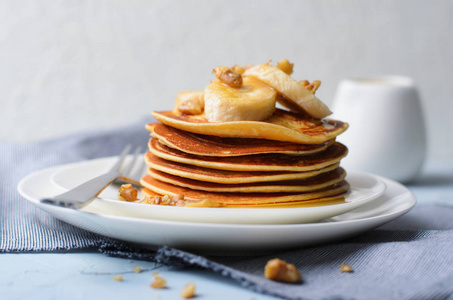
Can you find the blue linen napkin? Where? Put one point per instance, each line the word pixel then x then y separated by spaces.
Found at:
pixel 409 258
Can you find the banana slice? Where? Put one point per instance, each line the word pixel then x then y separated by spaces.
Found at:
pixel 253 101
pixel 295 96
pixel 190 102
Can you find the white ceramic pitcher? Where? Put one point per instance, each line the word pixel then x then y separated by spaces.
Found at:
pixel 386 134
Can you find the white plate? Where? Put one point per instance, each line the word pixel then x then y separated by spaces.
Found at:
pixel 223 238
pixel 364 188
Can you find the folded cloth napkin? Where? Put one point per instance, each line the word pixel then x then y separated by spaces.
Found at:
pixel 409 258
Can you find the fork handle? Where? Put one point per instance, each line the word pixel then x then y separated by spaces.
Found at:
pixel 82 194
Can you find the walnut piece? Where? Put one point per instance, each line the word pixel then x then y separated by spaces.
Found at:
pixel 238 69
pixel 137 269
pixel 127 193
pixel 159 282
pixel 285 66
pixel 346 268
pixel 304 82
pixel 166 200
pixel 312 87
pixel 278 270
pixel 174 200
pixel 228 76
pixel 188 291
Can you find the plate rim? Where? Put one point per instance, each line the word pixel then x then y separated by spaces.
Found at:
pixel 209 238
pixel 411 204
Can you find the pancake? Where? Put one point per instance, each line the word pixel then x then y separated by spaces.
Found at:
pixel 262 162
pixel 164 188
pixel 282 126
pixel 227 177
pixel 299 186
pixel 306 203
pixel 208 145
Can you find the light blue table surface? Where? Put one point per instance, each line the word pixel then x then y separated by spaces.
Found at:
pixel 90 275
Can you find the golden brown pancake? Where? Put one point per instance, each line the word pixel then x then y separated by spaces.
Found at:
pixel 227 177
pixel 209 145
pixel 282 126
pixel 262 162
pixel 293 186
pixel 294 204
pixel 164 188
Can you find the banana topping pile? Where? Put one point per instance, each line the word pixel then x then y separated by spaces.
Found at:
pixel 250 94
pixel 229 146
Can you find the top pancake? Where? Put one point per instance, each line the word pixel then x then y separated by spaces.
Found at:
pixel 208 145
pixel 282 126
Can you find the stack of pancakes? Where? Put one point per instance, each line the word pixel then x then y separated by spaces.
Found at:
pixel 288 160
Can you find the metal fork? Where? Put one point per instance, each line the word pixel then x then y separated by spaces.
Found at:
pixel 84 193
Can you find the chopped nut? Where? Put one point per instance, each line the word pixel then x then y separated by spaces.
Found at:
pixel 312 87
pixel 180 203
pixel 137 269
pixel 165 200
pixel 229 77
pixel 238 69
pixel 148 200
pixel 159 282
pixel 188 291
pixel 157 200
pixel 190 102
pixel 118 278
pixel 278 270
pixel 153 200
pixel 127 193
pixel 304 82
pixel 285 66
pixel 346 268
pixel 177 200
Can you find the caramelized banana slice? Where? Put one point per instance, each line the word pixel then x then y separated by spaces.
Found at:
pixel 253 101
pixel 294 95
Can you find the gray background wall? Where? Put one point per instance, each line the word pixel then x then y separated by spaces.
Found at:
pixel 67 66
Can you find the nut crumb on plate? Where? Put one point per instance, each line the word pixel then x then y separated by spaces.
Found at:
pixel 127 193
pixel 172 200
